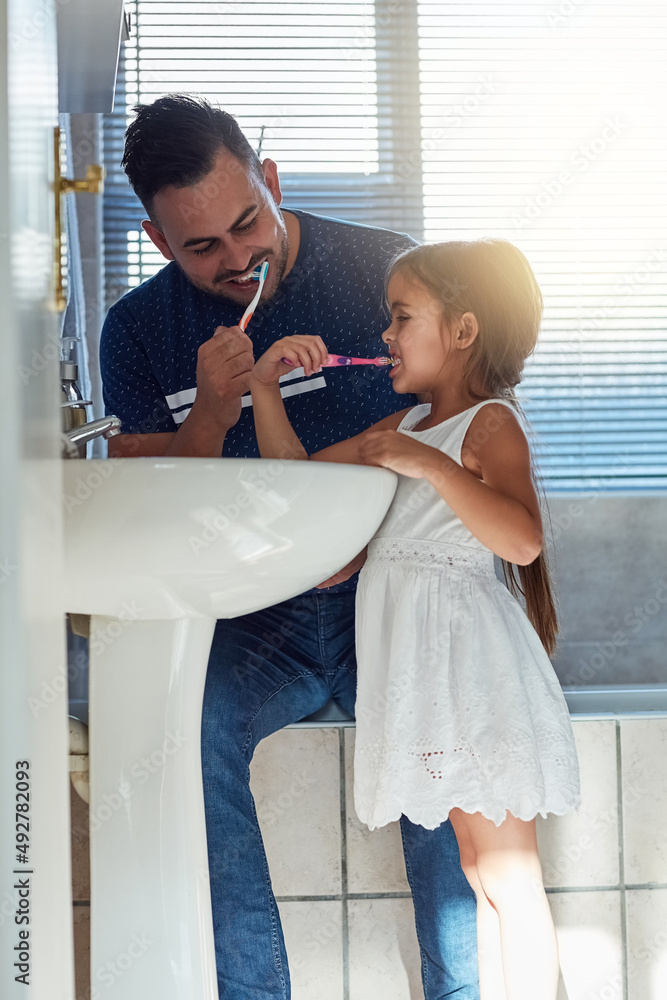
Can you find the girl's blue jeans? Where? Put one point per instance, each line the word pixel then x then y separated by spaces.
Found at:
pixel 267 670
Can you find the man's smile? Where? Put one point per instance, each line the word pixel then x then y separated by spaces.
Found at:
pixel 244 280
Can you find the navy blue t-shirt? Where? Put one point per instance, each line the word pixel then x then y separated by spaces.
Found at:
pixel 148 352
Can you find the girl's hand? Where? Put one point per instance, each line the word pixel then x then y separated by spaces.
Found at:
pixel 305 351
pixel 398 452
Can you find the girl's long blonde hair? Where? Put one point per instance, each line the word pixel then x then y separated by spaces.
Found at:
pixel 492 279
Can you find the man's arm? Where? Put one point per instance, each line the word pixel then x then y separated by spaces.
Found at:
pixel 140 445
pixel 224 364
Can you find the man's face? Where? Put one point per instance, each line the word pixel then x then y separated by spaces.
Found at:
pixel 219 230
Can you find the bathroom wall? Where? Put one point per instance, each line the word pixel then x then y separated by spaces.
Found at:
pixel 611 578
pixel 345 902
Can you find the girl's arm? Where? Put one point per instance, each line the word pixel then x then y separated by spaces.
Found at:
pixel 492 492
pixel 275 435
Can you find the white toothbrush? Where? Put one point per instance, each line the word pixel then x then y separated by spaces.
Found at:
pixel 247 315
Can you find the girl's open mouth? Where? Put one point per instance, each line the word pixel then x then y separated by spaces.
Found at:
pixel 395 361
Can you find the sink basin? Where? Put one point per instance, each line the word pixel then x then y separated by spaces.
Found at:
pixel 188 537
pixel 155 551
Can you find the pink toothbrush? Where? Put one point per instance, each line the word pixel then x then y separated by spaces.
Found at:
pixel 333 360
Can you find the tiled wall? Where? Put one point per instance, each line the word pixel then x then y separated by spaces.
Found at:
pixel 344 899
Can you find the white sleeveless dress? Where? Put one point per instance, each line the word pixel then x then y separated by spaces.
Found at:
pixel 457 701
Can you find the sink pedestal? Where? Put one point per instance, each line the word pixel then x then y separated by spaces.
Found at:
pixel 156 550
pixel 151 927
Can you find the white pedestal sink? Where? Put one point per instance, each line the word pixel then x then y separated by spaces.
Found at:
pixel 156 550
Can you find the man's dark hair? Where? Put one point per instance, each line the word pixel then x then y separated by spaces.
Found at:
pixel 175 140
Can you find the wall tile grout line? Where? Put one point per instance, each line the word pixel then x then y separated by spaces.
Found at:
pixel 583 888
pixel 343 866
pixel 336 898
pixel 379 895
pixel 350 895
pixel 621 860
pixel 646 886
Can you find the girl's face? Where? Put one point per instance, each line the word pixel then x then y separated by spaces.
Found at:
pixel 420 342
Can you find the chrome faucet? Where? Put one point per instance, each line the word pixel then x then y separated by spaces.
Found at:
pixel 72 405
pixel 80 436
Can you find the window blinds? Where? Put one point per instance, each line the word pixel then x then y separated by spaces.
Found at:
pixel 539 122
pixel 329 89
pixel 545 123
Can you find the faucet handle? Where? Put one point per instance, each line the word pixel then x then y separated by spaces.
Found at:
pixel 105 427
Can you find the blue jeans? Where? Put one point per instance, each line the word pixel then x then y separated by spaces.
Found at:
pixel 267 670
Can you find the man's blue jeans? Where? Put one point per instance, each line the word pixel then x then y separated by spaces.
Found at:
pixel 267 670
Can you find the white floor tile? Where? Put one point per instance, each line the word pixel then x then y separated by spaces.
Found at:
pixel 295 778
pixel 374 858
pixel 647 944
pixel 314 942
pixel 588 925
pixel 384 954
pixel 581 848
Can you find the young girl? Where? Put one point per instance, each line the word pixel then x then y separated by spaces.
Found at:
pixel 471 723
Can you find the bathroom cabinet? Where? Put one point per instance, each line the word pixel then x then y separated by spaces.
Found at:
pixel 89 36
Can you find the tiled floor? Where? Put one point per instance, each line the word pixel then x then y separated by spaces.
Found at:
pixel 343 895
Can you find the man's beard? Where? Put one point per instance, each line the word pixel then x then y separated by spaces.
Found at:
pixel 277 265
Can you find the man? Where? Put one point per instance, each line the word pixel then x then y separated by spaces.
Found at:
pixel 175 367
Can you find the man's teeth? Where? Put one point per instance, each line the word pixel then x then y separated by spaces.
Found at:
pixel 245 279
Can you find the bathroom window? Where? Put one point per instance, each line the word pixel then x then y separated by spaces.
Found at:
pixel 541 122
pixel 315 86
pixel 545 123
